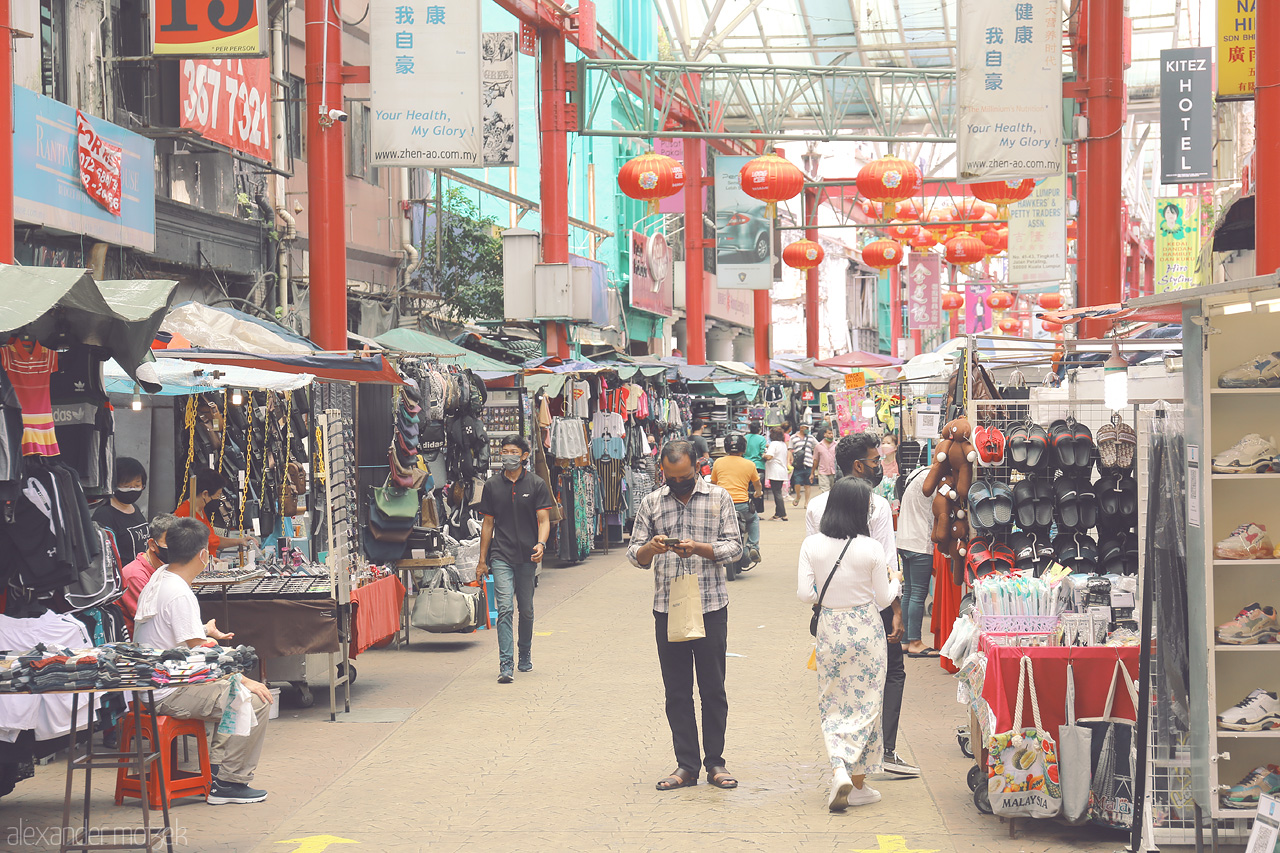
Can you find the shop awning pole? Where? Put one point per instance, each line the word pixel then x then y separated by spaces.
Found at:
pixel 6 138
pixel 1266 223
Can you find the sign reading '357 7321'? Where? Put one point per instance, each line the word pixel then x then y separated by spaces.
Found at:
pixel 424 72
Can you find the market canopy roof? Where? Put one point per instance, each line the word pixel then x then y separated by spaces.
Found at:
pixel 222 328
pixel 177 377
pixel 858 358
pixel 58 306
pixel 421 343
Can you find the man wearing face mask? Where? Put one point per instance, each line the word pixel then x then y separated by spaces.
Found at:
pixel 517 522
pixel 136 574
pixel 204 505
pixel 858 455
pixel 120 514
pixel 689 525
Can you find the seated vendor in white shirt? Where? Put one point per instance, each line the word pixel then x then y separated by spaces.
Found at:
pixel 169 617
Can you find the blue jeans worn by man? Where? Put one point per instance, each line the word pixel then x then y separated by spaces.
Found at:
pixel 917 570
pixel 747 510
pixel 513 585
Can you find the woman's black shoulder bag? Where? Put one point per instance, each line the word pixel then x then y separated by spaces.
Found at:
pixel 817 608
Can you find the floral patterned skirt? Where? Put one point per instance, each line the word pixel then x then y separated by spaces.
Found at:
pixel 852 662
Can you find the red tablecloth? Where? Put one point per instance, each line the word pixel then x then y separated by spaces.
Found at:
pixel 377 613
pixel 1092 665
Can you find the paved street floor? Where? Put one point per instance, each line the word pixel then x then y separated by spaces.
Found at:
pixel 436 756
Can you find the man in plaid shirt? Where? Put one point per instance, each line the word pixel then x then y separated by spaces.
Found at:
pixel 702 518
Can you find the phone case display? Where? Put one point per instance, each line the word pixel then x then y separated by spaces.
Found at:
pixel 1233 515
pixel 503 415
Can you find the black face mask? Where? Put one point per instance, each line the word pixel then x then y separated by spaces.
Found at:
pixel 873 475
pixel 162 553
pixel 212 507
pixel 127 496
pixel 680 488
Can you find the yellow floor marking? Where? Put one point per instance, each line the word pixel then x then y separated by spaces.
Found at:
pixel 892 844
pixel 316 843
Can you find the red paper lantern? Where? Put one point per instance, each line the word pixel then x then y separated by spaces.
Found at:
pixel 882 254
pixel 909 210
pixel 965 249
pixel 869 208
pixel 998 300
pixel 1010 326
pixel 900 230
pixel 889 180
pixel 771 179
pixel 923 240
pixel 996 241
pixel 651 177
pixel 1050 326
pixel 1049 301
pixel 938 223
pixel 802 255
pixel 952 301
pixel 1003 193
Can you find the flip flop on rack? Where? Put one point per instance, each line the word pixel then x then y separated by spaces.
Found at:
pixel 1002 500
pixel 1038 455
pixel 982 509
pixel 1062 441
pixel 1024 503
pixel 1044 502
pixel 1087 502
pixel 1018 445
pixel 1082 441
pixel 1066 503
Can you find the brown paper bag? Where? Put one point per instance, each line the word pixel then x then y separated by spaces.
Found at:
pixel 684 610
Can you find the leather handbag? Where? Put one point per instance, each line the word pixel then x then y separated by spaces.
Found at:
pixel 396 502
pixel 443 608
pixel 817 608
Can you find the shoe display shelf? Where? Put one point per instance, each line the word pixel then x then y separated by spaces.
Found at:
pixel 1225 327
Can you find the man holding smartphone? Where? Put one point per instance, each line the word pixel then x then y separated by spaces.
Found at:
pixel 517 522
pixel 690 525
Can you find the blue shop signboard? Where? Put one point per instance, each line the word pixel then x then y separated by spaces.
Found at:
pixel 46 175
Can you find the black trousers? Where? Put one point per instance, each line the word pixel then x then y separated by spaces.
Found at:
pixel 895 680
pixel 679 662
pixel 779 505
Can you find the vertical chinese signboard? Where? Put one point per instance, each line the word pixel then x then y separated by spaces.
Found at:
pixel 229 101
pixel 209 27
pixel 924 290
pixel 1177 243
pixel 1009 85
pixel 1038 234
pixel 425 79
pixel 1186 115
pixel 1237 48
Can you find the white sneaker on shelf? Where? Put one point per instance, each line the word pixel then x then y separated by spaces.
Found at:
pixel 1262 371
pixel 1252 454
pixel 1257 712
pixel 841 786
pixel 1246 542
pixel 1253 625
pixel 864 796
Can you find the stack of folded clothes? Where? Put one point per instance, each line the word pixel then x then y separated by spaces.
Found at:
pixel 48 668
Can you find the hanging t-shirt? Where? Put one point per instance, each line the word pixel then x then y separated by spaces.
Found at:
pixel 131 531
pixel 29 367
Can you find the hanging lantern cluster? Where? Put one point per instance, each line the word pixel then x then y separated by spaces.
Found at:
pixel 923 240
pixel 952 301
pixel 999 300
pixel 771 178
pixel 1010 326
pixel 964 249
pixel 996 241
pixel 888 181
pixel 1003 193
pixel 651 177
pixel 938 223
pixel 1049 301
pixel 900 230
pixel 882 254
pixel 802 255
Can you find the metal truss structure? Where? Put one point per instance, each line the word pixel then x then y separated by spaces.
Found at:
pixel 746 102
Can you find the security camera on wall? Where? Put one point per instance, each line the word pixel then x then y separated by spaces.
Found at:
pixel 337 115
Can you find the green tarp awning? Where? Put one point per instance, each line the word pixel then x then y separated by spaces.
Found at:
pixel 421 343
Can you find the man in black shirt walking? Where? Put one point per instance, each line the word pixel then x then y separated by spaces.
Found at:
pixel 517 522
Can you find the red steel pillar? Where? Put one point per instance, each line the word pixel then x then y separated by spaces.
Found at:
pixel 6 137
pixel 812 316
pixel 895 309
pixel 763 305
pixel 554 187
pixel 1266 223
pixel 695 309
pixel 1101 231
pixel 326 189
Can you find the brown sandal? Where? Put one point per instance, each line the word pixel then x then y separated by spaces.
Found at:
pixel 721 778
pixel 679 778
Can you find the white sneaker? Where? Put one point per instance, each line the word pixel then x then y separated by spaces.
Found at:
pixel 841 786
pixel 1252 454
pixel 1262 371
pixel 1257 712
pixel 864 796
pixel 1246 542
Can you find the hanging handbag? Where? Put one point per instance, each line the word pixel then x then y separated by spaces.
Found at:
pixel 1074 745
pixel 684 609
pixel 1022 767
pixel 395 502
pixel 1113 757
pixel 443 608
pixel 817 608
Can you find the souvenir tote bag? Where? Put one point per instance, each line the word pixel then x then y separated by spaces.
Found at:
pixel 1074 745
pixel 1114 758
pixel 684 610
pixel 1022 769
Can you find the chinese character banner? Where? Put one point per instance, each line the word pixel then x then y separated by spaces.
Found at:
pixel 425 80
pixel 924 290
pixel 1038 233
pixel 1237 48
pixel 1009 124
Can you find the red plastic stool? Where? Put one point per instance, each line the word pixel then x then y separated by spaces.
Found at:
pixel 178 783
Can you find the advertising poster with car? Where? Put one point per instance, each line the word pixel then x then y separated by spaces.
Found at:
pixel 651 273
pixel 744 236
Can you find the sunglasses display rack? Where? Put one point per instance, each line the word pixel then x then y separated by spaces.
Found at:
pixel 339 494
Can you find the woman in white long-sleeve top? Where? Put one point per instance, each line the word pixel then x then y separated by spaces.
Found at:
pixel 852 653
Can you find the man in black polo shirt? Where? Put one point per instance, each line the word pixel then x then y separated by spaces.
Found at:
pixel 517 521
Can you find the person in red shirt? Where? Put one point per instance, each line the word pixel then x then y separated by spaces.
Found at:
pixel 136 574
pixel 205 502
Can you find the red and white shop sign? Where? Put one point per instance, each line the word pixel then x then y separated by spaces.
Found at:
pixel 229 101
pixel 99 166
